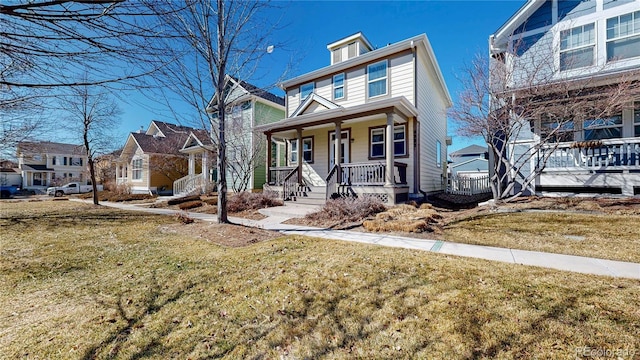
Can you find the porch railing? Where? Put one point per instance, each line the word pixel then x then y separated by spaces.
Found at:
pixel 462 185
pixel 332 182
pixel 610 154
pixel 188 184
pixel 371 173
pixel 290 184
pixel 278 174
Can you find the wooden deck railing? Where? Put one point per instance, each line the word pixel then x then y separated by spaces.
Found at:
pixel 611 154
pixel 332 182
pixel 369 173
pixel 278 174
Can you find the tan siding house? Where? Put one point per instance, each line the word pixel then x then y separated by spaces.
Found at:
pixel 388 104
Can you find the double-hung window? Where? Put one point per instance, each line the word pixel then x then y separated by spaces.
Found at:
pixel 136 169
pixel 607 128
pixel 577 47
pixel 623 36
pixel 338 86
pixel 377 79
pixel 377 142
pixel 307 150
pixel 306 90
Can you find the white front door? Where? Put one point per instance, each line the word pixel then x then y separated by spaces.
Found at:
pixel 344 148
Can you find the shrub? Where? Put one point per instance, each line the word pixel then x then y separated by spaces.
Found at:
pixel 190 205
pixel 252 201
pixel 406 218
pixel 183 199
pixel 348 209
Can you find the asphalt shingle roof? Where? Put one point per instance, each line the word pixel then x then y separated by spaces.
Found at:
pixel 48 147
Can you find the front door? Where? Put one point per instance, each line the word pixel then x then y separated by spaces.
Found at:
pixel 344 148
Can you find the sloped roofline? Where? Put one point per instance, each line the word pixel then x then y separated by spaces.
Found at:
pixel 311 98
pixel 419 40
pixel 253 91
pixel 514 21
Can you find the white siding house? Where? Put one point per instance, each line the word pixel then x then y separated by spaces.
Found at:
pixel 388 104
pixel 590 41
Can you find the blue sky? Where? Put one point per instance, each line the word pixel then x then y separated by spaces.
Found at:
pixel 457 31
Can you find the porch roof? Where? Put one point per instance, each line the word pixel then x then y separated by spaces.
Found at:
pixel 398 105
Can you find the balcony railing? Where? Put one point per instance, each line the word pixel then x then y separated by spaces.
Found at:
pixel 611 154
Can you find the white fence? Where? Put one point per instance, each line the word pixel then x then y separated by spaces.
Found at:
pixel 463 185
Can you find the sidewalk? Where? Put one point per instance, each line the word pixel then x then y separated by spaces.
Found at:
pixel 276 217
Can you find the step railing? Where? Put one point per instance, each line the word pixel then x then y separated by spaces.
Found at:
pixel 188 184
pixel 290 185
pixel 332 182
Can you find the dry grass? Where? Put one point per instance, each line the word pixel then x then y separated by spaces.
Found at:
pixel 405 218
pixel 341 211
pixel 82 282
pixel 607 236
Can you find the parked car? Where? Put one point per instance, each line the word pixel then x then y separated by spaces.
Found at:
pixel 7 191
pixel 71 188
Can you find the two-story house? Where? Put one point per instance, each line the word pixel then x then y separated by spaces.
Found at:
pixel 46 163
pixel 591 45
pixel 373 122
pixel 248 107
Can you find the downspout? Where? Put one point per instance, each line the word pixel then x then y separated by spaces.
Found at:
pixel 416 128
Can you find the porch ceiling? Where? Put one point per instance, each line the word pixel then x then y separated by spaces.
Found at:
pixel 399 106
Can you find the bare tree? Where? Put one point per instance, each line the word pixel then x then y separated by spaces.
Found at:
pixel 210 42
pixel 91 114
pixel 520 94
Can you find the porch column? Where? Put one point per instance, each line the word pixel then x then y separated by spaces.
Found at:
pixel 336 150
pixel 192 164
pixel 205 167
pixel 117 172
pixel 269 155
pixel 299 154
pixel 49 178
pixel 388 178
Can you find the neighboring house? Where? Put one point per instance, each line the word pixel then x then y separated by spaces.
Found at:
pixel 151 161
pixel 105 168
pixel 45 163
pixel 248 107
pixel 388 107
pixel 9 173
pixel 596 41
pixel 471 161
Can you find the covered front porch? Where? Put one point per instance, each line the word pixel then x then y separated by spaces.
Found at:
pixel 308 163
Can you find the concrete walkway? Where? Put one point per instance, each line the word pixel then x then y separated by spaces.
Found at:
pixel 276 216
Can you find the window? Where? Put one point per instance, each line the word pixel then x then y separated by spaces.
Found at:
pixel 136 169
pixel 623 36
pixel 636 118
pixel 377 78
pixel 338 86
pixel 577 47
pixel 608 128
pixel 438 153
pixel 351 49
pixel 305 90
pixel 377 142
pixel 307 150
pixel 53 161
pixel 399 141
pixel 337 55
pixel 65 161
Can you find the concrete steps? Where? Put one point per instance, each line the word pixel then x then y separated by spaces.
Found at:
pixel 310 195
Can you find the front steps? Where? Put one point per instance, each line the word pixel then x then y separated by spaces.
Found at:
pixel 309 195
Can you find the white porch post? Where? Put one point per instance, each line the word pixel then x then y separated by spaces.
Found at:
pixel 192 164
pixel 205 167
pixel 299 154
pixel 336 151
pixel 269 155
pixel 49 178
pixel 388 178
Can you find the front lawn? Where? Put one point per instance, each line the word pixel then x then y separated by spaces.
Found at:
pixel 606 236
pixel 83 282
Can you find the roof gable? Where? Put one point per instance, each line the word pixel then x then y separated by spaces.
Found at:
pixel 314 103
pixel 241 89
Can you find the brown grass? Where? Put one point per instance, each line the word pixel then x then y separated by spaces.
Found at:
pixel 607 236
pixel 346 210
pixel 83 282
pixel 405 218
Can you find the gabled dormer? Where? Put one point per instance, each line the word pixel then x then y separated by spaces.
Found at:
pixel 349 47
